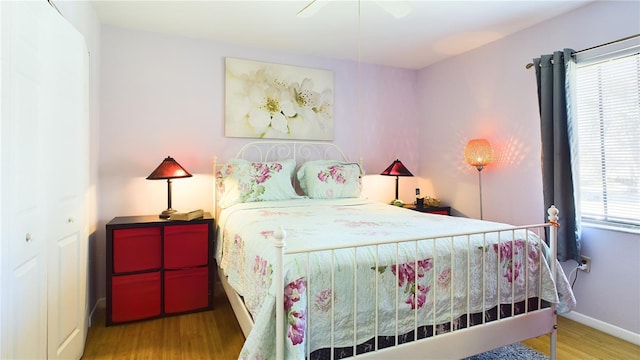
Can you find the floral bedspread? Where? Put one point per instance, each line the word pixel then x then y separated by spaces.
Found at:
pixel 413 281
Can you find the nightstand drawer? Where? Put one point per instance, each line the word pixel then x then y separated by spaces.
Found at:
pixel 185 245
pixel 186 290
pixel 135 296
pixel 136 249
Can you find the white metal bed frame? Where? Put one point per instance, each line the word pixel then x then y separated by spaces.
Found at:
pixel 476 339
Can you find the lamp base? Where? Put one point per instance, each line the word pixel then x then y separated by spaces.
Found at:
pixel 166 214
pixel 397 202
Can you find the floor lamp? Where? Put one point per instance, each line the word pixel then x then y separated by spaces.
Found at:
pixel 478 153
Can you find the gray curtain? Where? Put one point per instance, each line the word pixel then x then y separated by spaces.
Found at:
pixel 555 129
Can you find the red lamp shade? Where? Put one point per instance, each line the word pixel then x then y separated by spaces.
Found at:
pixel 478 153
pixel 396 169
pixel 168 169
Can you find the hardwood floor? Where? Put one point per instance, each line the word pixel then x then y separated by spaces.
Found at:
pixel 207 335
pixel 216 335
pixel 580 342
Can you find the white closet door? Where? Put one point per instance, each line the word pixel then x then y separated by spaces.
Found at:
pixel 66 155
pixel 44 179
pixel 24 259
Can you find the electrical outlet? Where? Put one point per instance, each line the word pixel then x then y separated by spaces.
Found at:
pixel 585 263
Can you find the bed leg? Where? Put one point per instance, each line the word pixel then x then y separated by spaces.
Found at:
pixel 553 342
pixel 279 278
pixel 553 244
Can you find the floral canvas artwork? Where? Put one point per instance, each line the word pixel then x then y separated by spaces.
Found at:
pixel 273 101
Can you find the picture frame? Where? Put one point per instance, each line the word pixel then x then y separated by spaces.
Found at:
pixel 273 101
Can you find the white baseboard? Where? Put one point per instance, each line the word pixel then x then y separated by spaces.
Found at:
pixel 612 330
pixel 100 304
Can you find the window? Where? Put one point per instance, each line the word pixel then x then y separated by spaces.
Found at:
pixel 607 113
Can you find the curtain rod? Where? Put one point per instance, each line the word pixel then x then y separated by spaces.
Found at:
pixel 530 65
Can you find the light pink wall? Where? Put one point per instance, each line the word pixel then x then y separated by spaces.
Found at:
pixel 467 97
pixel 489 93
pixel 164 95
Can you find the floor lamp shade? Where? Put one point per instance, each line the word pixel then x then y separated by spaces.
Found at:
pixel 396 169
pixel 167 170
pixel 478 153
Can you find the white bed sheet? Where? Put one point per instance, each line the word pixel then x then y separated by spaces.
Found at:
pixel 246 254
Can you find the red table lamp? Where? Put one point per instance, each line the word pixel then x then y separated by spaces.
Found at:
pixel 396 169
pixel 168 169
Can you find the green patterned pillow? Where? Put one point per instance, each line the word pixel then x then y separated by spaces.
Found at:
pixel 324 179
pixel 242 181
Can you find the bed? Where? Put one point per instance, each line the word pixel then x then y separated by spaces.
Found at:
pixel 314 270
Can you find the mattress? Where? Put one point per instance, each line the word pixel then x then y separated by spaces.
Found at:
pixel 439 283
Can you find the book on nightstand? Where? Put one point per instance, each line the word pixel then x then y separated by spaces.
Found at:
pixel 186 216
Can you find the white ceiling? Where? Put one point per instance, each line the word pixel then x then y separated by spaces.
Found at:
pixel 432 31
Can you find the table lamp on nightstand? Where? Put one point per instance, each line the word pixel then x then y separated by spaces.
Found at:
pixel 168 169
pixel 396 169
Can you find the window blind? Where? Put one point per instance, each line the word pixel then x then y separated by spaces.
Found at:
pixel 607 112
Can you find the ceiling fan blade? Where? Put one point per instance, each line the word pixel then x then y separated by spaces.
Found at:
pixel 398 9
pixel 311 8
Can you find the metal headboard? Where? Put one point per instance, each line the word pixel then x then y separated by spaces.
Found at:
pixel 297 150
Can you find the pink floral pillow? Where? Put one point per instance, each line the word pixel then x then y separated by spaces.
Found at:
pixel 323 179
pixel 242 181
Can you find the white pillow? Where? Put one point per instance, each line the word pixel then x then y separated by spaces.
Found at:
pixel 325 179
pixel 242 181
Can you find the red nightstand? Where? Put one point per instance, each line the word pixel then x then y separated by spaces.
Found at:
pixel 441 210
pixel 158 267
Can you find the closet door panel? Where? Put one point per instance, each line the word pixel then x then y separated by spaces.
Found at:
pixel 23 169
pixel 24 259
pixel 23 135
pixel 27 314
pixel 67 276
pixel 67 161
